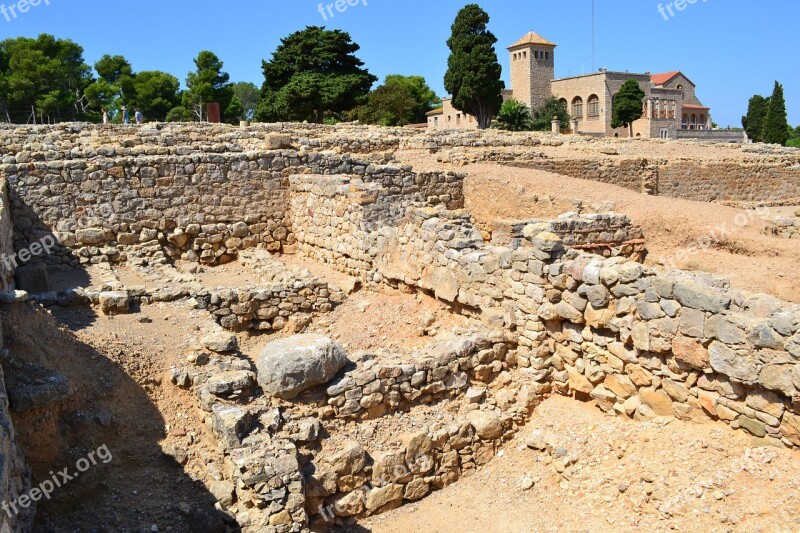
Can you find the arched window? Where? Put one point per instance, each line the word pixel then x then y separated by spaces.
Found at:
pixel 685 122
pixel 693 124
pixel 564 104
pixel 593 106
pixel 577 107
pixel 680 87
pixel 702 124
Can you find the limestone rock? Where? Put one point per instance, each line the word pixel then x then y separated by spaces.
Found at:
pixel 220 342
pixel 487 425
pixel 288 367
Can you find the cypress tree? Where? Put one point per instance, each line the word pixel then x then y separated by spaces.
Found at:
pixel 776 125
pixel 753 122
pixel 473 71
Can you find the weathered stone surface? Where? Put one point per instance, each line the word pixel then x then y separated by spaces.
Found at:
pixel 288 367
pixel 115 302
pixel 700 297
pixel 691 352
pixel 738 366
pixel 622 386
pixel 226 383
pixel 658 401
pixel 220 342
pixel 487 424
pixel 382 496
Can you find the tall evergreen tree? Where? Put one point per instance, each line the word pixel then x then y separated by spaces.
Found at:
pixel 628 106
pixel 313 72
pixel 776 125
pixel 753 122
pixel 209 83
pixel 473 71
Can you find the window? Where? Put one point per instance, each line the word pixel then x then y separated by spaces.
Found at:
pixel 524 55
pixel 594 106
pixel 547 55
pixel 536 54
pixel 702 124
pixel 577 107
pixel 665 133
pixel 685 122
pixel 564 104
pixel 680 87
pixel 693 123
pixel 458 118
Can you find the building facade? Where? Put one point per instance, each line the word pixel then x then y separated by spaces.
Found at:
pixel 670 104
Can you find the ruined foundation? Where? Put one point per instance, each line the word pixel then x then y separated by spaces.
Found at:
pixel 549 306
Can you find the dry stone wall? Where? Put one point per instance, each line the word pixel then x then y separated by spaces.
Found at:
pixel 775 178
pixel 641 342
pixel 6 238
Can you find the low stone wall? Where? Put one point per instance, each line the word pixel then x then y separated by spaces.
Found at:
pixel 682 345
pixel 768 179
pixel 784 227
pixel 606 234
pixel 447 367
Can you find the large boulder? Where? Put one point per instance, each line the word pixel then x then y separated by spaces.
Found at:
pixel 288 367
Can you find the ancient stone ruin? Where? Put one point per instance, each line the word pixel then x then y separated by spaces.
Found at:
pixel 258 236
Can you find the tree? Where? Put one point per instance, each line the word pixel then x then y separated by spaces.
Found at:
pixel 473 71
pixel 45 76
pixel 776 126
pixel 794 137
pixel 399 101
pixel 543 115
pixel 753 122
pixel 249 97
pixel 115 86
pixel 514 116
pixel 156 93
pixel 178 114
pixel 312 72
pixel 627 107
pixel 209 83
pixel 112 69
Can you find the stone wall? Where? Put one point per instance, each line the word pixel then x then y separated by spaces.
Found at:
pixel 15 473
pixel 6 238
pixel 784 227
pixel 734 180
pixel 641 342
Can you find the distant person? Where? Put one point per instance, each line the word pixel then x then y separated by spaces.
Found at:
pixel 139 117
pixel 105 115
pixel 126 119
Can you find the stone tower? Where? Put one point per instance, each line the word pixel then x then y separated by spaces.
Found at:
pixel 532 69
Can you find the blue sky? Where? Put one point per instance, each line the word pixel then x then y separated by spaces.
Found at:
pixel 731 49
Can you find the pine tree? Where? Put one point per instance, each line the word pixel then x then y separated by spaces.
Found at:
pixel 776 125
pixel 473 71
pixel 627 107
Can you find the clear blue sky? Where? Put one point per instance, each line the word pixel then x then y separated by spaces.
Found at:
pixel 731 49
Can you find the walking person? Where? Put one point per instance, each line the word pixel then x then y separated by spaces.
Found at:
pixel 139 117
pixel 105 115
pixel 126 119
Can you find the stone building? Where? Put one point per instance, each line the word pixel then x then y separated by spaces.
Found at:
pixel 671 107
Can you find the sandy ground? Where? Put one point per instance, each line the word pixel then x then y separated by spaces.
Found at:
pixel 749 258
pixel 660 475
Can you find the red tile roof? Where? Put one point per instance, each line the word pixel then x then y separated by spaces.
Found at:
pixel 664 77
pixel 531 38
pixel 694 106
